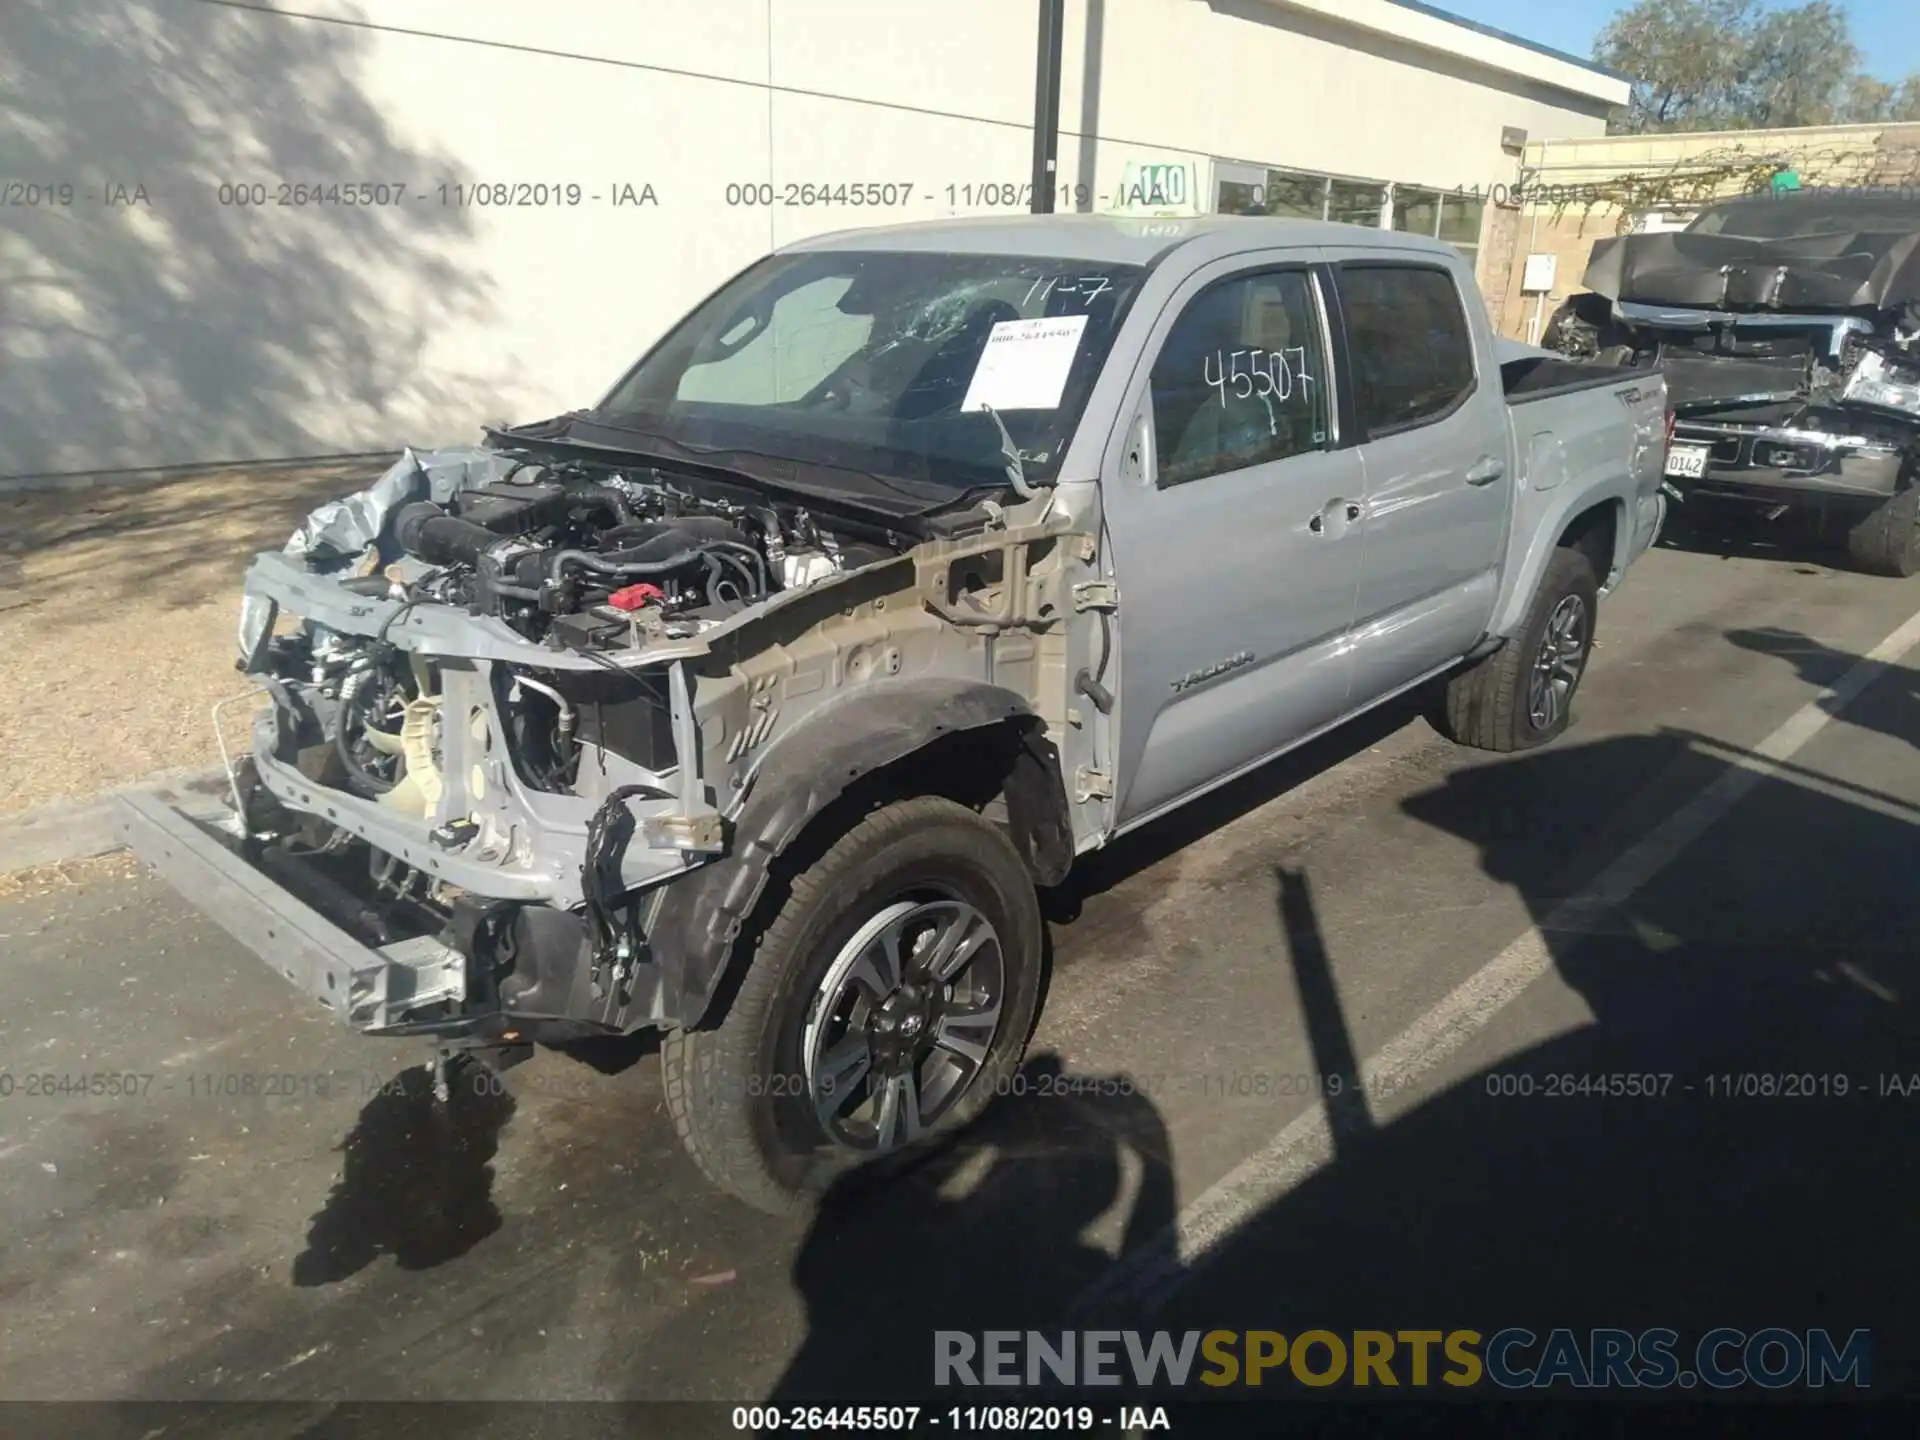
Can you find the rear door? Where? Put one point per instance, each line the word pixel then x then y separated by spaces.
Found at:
pixel 1433 434
pixel 1234 551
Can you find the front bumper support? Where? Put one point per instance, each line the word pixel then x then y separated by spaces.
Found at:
pixel 365 987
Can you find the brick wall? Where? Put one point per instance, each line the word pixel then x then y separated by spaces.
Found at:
pixel 1568 237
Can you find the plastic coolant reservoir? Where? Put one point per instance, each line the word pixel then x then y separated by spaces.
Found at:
pixel 803 567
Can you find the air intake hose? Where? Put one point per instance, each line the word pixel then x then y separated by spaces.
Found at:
pixel 424 530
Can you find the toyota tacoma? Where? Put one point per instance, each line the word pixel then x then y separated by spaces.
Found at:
pixel 752 703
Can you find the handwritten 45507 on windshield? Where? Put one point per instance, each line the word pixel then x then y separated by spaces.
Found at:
pixel 1259 372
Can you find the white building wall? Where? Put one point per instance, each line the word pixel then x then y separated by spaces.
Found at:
pixel 143 322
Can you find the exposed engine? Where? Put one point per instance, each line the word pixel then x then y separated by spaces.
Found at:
pixel 549 542
pixel 570 556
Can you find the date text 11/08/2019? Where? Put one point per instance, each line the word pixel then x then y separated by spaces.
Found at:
pixel 203 1085
pixel 911 1419
pixel 57 194
pixel 1722 1085
pixel 887 194
pixel 462 194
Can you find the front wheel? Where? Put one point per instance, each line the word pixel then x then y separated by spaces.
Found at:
pixel 1522 694
pixel 888 999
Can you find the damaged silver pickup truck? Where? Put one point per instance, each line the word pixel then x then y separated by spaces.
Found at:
pixel 752 704
pixel 1788 330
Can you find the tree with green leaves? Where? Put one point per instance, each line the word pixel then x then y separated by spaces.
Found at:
pixel 1869 101
pixel 1732 65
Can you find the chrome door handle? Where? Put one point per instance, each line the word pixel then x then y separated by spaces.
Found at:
pixel 1486 470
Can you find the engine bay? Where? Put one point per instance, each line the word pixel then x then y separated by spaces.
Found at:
pixel 478 629
pixel 572 544
pixel 502 697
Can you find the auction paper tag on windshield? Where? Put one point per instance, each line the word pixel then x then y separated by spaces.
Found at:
pixel 1024 364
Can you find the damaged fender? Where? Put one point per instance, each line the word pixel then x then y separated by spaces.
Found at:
pixel 701 915
pixel 343 530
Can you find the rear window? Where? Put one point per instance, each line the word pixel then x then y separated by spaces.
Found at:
pixel 1412 350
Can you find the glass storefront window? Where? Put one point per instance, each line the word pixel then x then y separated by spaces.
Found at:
pixel 1303 197
pixel 1460 219
pixel 1276 192
pixel 1241 189
pixel 1416 210
pixel 1232 197
pixel 1354 202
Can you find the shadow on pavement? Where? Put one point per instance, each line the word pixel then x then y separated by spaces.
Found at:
pixel 1723 1129
pixel 1897 689
pixel 1757 993
pixel 416 1180
pixel 988 1233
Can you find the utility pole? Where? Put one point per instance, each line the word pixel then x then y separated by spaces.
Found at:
pixel 1046 108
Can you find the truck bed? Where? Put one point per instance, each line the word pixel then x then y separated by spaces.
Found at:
pixel 1536 377
pixel 1568 440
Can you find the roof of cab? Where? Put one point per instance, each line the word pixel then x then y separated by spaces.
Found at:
pixel 1106 239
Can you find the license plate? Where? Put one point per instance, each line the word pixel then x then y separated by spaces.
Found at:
pixel 1689 462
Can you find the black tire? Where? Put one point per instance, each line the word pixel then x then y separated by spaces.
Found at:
pixel 1492 706
pixel 741 1093
pixel 1887 542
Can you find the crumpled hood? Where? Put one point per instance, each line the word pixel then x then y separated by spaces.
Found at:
pixel 341 531
pixel 1841 271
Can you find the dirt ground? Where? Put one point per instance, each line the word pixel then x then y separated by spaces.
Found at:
pixel 117 614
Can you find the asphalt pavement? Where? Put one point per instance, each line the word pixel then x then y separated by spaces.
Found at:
pixel 1708 879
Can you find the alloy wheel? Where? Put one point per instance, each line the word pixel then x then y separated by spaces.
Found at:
pixel 902 1022
pixel 1556 667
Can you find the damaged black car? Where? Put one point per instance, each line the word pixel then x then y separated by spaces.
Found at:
pixel 1788 329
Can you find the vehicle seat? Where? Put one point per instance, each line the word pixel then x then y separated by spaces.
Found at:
pixel 1245 428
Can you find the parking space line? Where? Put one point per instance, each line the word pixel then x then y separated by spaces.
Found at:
pixel 1152 1273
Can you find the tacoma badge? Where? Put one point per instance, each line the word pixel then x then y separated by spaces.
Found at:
pixel 1219 667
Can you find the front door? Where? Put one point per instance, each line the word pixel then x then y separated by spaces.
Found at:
pixel 1234 538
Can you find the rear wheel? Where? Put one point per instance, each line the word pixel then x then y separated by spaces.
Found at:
pixel 887 1001
pixel 1887 541
pixel 1522 694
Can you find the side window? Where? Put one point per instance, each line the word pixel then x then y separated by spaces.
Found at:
pixel 1240 380
pixel 1412 350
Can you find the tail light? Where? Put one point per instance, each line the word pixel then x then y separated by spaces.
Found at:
pixel 1673 419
